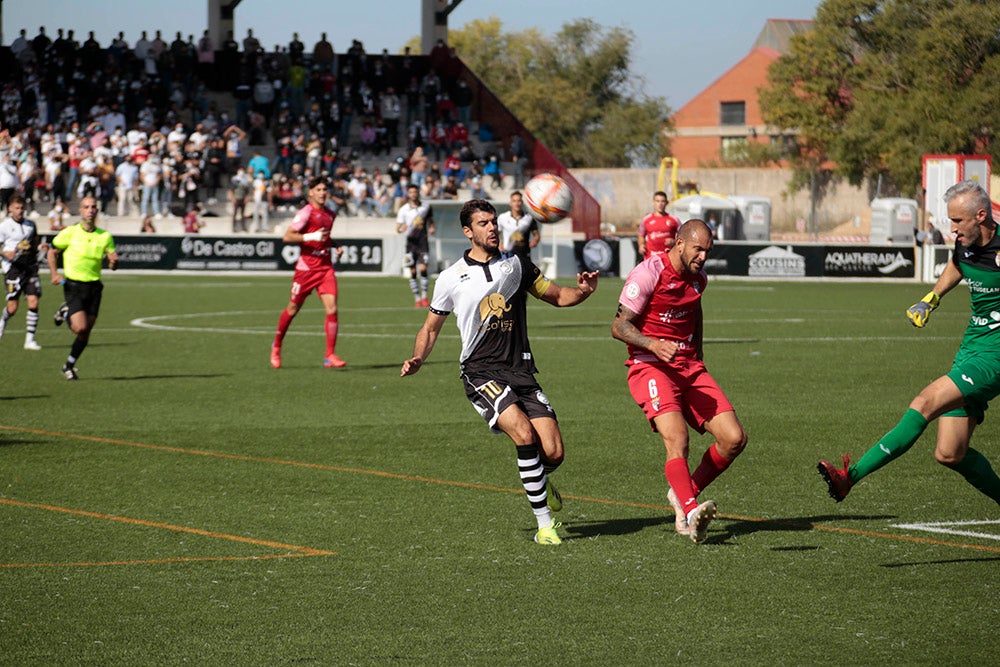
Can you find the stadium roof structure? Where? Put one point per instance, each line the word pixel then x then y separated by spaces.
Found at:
pixel 777 33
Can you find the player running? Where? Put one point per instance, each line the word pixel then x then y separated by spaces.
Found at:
pixel 19 246
pixel 83 247
pixel 488 293
pixel 310 228
pixel 416 220
pixel 958 399
pixel 660 319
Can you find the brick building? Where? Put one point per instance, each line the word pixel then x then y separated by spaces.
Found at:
pixel 721 119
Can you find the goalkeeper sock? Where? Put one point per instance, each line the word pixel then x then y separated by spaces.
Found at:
pixel 679 479
pixel 893 444
pixel 978 472
pixel 712 465
pixel 415 287
pixel 331 333
pixel 529 467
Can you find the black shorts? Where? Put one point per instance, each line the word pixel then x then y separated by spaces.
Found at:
pixel 492 392
pixel 23 282
pixel 416 255
pixel 84 297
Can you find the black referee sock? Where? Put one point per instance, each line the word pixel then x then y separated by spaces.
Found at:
pixel 76 351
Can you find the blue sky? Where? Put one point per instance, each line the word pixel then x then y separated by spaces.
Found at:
pixel 680 47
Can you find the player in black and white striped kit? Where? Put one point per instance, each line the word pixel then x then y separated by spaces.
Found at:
pixel 488 291
pixel 19 247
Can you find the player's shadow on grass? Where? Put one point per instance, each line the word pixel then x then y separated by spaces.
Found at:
pixel 18 441
pixel 167 376
pixel 583 529
pixel 738 527
pixel 950 561
pixel 22 398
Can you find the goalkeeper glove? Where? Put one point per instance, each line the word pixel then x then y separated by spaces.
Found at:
pixel 921 310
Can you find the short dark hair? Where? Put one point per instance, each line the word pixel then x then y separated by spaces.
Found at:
pixel 470 207
pixel 316 181
pixel 661 192
pixel 16 199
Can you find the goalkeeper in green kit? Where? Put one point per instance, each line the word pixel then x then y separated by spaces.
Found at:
pixel 958 399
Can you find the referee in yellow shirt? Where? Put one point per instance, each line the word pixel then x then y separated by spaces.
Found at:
pixel 83 246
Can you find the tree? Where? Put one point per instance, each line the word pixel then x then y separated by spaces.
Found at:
pixel 877 84
pixel 574 90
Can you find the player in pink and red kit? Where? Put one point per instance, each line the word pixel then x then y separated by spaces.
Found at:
pixel 659 318
pixel 657 230
pixel 310 228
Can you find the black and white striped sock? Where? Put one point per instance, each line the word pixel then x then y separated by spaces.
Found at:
pixel 529 466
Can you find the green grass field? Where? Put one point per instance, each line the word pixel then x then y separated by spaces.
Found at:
pixel 184 503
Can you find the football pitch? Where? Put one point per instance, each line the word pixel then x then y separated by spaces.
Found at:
pixel 185 503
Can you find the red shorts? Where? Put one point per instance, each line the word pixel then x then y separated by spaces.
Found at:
pixel 663 388
pixel 324 281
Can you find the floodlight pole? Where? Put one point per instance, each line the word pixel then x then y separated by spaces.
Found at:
pixel 434 22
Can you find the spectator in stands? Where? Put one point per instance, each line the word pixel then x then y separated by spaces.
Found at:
pixel 391 110
pixel 462 97
pixel 450 188
pixel 215 168
pixel 323 53
pixel 57 216
pixel 296 49
pixel 419 166
pixel 240 188
pixel 192 224
pixel 150 174
pixel 127 185
pixel 458 136
pixel 476 189
pixel 250 44
pixel 261 198
pixel 259 163
pixel 147 226
pixel 367 138
pixel 445 109
pixel 519 156
pixel 493 170
pixel 438 141
pixel 206 59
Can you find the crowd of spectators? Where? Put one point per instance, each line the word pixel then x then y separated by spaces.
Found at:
pixel 138 126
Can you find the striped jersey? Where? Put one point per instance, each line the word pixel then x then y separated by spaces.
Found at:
pixel 489 300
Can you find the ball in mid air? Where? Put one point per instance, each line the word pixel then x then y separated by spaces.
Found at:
pixel 548 198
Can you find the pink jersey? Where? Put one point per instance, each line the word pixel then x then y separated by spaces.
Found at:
pixel 669 305
pixel 658 230
pixel 315 254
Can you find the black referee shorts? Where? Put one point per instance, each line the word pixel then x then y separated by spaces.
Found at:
pixel 82 296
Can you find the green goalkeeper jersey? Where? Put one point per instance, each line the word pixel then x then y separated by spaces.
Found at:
pixel 980 266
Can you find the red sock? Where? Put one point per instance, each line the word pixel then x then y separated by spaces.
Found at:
pixel 283 323
pixel 331 333
pixel 679 479
pixel 712 465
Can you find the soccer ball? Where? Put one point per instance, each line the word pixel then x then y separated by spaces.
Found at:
pixel 548 198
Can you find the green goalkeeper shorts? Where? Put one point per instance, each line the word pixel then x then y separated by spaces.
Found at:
pixel 977 376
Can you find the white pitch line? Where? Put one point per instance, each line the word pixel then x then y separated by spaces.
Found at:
pixel 154 323
pixel 940 527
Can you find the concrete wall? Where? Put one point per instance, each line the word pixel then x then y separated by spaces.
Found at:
pixel 626 195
